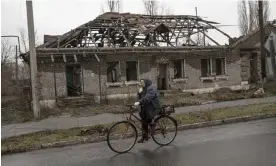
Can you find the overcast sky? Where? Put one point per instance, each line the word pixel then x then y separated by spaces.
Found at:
pixel 55 17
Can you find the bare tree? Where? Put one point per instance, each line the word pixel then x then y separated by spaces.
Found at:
pixel 112 5
pixel 252 15
pixel 248 15
pixel 151 7
pixel 243 17
pixel 6 51
pixel 266 12
pixel 199 40
pixel 25 40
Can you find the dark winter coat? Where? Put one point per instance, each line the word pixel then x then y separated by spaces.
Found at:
pixel 149 101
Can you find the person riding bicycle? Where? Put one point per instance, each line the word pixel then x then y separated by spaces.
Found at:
pixel 150 106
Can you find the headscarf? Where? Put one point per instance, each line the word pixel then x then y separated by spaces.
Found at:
pixel 147 84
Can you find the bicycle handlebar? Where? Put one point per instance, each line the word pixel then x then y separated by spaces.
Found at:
pixel 130 106
pixel 163 106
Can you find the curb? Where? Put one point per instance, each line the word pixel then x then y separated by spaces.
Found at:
pixel 90 139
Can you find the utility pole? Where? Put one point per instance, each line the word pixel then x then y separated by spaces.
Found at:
pixel 16 70
pixel 261 25
pixel 33 62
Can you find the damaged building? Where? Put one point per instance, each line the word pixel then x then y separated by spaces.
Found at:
pixel 106 57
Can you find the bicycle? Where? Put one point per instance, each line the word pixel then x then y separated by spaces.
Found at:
pixel 154 129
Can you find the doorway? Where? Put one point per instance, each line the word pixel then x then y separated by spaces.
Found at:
pixel 73 80
pixel 162 77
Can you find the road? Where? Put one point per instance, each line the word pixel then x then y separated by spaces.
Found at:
pixel 251 143
pixel 70 122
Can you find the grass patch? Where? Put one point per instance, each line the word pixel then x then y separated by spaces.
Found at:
pixel 20 111
pixel 181 100
pixel 28 141
pixel 220 114
pixel 114 109
pixel 270 88
pixel 226 94
pixel 178 100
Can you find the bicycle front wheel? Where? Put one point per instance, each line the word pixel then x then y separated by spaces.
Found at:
pixel 122 136
pixel 165 130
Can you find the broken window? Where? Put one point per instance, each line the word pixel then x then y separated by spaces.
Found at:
pixel 179 71
pixel 212 67
pixel 131 70
pixel 113 71
pixel 205 67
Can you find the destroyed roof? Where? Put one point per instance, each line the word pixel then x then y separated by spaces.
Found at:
pixel 50 37
pixel 246 37
pixel 130 30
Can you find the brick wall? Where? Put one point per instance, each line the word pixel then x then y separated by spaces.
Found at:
pixel 46 80
pixel 245 66
pixel 148 68
pixel 193 70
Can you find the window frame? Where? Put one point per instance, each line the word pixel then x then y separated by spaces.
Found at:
pixel 209 65
pixel 108 82
pixel 223 63
pixel 137 72
pixel 213 76
pixel 183 66
pixel 183 77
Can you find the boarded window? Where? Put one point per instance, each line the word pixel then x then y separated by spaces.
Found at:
pixel 179 71
pixel 131 70
pixel 205 67
pixel 113 72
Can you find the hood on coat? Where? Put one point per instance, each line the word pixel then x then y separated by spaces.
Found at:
pixel 147 83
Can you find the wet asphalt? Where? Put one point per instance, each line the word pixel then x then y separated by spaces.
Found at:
pixel 241 144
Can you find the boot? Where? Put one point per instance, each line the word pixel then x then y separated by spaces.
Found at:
pixel 143 139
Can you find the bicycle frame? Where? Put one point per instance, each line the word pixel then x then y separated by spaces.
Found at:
pixel 130 120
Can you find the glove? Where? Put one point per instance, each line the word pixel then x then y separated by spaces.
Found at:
pixel 136 103
pixel 140 90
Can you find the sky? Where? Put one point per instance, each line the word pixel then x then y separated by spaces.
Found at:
pixel 56 17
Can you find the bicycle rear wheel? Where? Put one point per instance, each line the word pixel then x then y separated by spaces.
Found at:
pixel 165 130
pixel 122 136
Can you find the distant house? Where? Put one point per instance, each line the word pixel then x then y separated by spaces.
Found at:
pixel 249 47
pixel 109 55
pixel 270 46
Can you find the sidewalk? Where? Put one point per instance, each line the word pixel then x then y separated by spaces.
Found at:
pixel 70 122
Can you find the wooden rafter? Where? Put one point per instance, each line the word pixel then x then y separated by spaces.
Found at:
pixel 100 29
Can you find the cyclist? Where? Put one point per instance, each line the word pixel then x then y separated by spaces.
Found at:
pixel 150 106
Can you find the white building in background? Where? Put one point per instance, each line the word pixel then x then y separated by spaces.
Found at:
pixel 270 45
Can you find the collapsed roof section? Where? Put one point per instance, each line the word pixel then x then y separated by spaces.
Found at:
pixel 135 30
